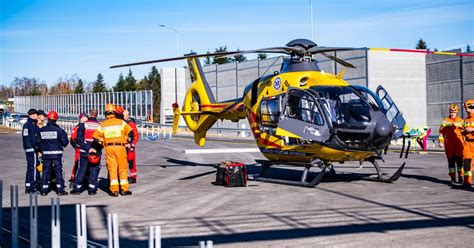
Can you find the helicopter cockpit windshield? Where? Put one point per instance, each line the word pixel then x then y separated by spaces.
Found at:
pixel 345 108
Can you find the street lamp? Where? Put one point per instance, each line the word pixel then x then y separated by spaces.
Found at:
pixel 312 28
pixel 177 37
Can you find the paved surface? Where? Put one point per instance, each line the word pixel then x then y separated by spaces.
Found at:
pixel 175 191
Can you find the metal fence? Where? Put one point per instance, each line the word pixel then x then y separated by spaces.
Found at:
pixel 449 79
pixel 139 103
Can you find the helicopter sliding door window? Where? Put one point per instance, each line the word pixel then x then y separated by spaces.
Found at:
pixel 270 111
pixel 302 117
pixel 393 113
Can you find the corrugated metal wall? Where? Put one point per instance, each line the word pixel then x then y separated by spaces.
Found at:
pixel 449 79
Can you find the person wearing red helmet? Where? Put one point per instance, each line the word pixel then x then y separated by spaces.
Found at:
pixel 468 133
pixel 77 151
pixel 451 139
pixel 119 111
pixel 87 163
pixel 51 141
pixel 131 152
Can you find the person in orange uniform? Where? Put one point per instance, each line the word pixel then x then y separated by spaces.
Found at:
pixel 468 133
pixel 451 139
pixel 131 153
pixel 113 136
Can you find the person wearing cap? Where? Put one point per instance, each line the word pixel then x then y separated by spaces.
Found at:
pixel 82 118
pixel 29 132
pixel 131 152
pixel 451 139
pixel 42 120
pixel 84 141
pixel 468 133
pixel 113 136
pixel 51 140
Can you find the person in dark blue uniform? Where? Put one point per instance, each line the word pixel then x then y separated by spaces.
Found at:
pixel 86 163
pixel 51 141
pixel 29 133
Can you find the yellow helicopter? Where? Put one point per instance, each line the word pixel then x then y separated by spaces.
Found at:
pixel 299 115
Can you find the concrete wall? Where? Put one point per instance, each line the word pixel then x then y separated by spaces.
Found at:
pixel 172 86
pixel 403 75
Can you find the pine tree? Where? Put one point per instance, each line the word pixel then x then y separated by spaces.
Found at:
pixel 262 56
pixel 79 87
pixel 121 84
pixel 99 85
pixel 153 82
pixel 239 58
pixel 130 82
pixel 221 60
pixel 468 49
pixel 207 60
pixel 421 44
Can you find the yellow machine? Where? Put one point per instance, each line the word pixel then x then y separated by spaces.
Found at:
pixel 299 115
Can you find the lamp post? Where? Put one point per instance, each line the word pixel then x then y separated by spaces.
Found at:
pixel 177 37
pixel 177 55
pixel 312 28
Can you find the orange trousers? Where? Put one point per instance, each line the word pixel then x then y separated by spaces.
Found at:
pixel 117 165
pixel 468 154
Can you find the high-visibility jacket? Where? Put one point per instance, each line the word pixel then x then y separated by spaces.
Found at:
pixel 451 129
pixel 84 134
pixel 113 131
pixel 469 122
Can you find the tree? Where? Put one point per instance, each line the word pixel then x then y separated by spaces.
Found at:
pixel 262 56
pixel 239 58
pixel 153 82
pixel 221 60
pixel 207 60
pixel 61 88
pixel 79 88
pixel 468 49
pixel 28 87
pixel 99 85
pixel 421 44
pixel 120 86
pixel 130 82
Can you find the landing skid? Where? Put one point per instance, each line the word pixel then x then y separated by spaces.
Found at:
pixel 266 164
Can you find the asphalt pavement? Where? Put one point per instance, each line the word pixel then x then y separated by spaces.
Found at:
pixel 175 191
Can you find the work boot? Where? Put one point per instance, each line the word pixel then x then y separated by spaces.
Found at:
pixel 44 193
pixel 125 193
pixel 75 192
pixel 60 193
pixel 114 194
pixel 132 180
pixel 27 191
pixel 92 192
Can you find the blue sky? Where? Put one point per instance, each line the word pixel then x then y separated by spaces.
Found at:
pixel 49 39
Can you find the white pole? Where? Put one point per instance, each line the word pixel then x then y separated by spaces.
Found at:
pixel 14 209
pixel 109 231
pixel 81 226
pixel 157 237
pixel 312 28
pixel 151 233
pixel 55 223
pixel 115 230
pixel 33 220
pixel 209 244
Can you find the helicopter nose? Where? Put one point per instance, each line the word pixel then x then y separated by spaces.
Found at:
pixel 382 127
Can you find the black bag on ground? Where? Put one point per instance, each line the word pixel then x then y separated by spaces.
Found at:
pixel 231 174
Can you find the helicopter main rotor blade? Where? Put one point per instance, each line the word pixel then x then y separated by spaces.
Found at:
pixel 338 60
pixel 175 58
pixel 318 49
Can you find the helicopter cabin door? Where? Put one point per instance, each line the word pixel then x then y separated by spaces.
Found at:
pixel 302 117
pixel 393 113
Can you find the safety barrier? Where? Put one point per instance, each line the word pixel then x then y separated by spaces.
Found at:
pixel 113 233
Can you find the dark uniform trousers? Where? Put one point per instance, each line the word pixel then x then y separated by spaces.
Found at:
pixel 84 167
pixel 32 180
pixel 49 165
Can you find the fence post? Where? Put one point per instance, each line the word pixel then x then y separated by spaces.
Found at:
pixel 14 214
pixel 81 226
pixel 55 223
pixel 151 235
pixel 157 237
pixel 112 230
pixel 209 244
pixel 202 244
pixel 33 220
